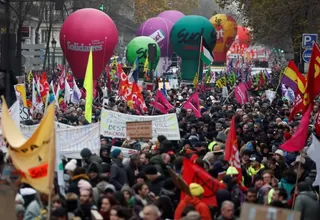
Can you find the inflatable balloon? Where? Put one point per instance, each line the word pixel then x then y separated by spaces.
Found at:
pixel 159 30
pixel 243 38
pixel 138 48
pixel 171 15
pixel 185 40
pixel 226 28
pixel 84 29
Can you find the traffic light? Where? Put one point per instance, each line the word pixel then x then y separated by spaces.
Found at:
pixel 102 8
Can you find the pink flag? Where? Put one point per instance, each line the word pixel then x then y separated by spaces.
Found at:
pixel 193 103
pixel 161 103
pixel 298 140
pixel 241 94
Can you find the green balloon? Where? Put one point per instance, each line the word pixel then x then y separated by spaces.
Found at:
pixel 138 48
pixel 185 39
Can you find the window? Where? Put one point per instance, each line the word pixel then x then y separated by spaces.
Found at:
pixel 44 36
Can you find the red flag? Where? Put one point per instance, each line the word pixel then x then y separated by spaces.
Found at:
pixel 298 140
pixel 137 98
pixel 192 173
pixel 261 80
pixel 161 103
pixel 44 85
pixel 241 94
pixel 123 82
pixel 232 151
pixel 313 82
pixel 317 125
pixel 193 103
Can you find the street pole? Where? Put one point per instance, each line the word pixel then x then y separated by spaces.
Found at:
pixel 8 91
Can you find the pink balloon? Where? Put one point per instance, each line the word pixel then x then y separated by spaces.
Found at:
pixel 84 29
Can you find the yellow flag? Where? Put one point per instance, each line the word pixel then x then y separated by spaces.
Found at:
pixel 196 80
pixel 146 65
pixel 88 85
pixel 34 157
pixel 29 77
pixel 20 88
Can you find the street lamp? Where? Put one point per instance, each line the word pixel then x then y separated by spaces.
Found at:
pixel 54 45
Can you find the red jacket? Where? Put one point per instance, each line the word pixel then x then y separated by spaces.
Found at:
pixel 201 207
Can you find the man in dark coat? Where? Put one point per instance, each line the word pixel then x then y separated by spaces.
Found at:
pixel 118 176
pixel 155 179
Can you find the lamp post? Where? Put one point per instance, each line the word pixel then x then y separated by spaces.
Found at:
pixel 54 45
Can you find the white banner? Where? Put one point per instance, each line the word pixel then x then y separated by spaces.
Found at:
pixel 72 139
pixel 113 124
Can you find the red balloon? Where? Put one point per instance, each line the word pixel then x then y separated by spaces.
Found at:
pixel 243 37
pixel 82 30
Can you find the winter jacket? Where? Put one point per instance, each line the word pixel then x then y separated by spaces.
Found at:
pixel 118 176
pixel 253 172
pixel 307 203
pixel 98 191
pixel 73 188
pixel 288 185
pixel 200 207
pixel 263 191
pixel 32 211
pixel 156 185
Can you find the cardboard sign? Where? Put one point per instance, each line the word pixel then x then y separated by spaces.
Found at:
pixel 139 130
pixel 260 212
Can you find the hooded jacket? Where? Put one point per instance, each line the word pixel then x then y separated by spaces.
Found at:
pixel 307 203
pixel 73 188
pixel 200 207
pixel 118 176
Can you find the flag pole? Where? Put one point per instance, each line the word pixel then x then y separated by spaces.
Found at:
pixel 199 60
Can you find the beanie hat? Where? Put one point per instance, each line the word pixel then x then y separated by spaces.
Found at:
pixel 115 153
pixel 280 152
pixel 150 170
pixel 232 171
pixel 109 188
pixel 71 165
pixel 221 137
pixel 93 168
pixel 84 185
pixel 85 152
pixel 196 189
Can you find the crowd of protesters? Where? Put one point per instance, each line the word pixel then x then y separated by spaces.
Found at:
pixel 140 187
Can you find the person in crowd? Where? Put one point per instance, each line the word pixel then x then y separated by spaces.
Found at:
pixel 86 204
pixel 155 179
pixel 252 196
pixel 104 206
pixel 197 192
pixel 307 202
pixel 150 212
pixel 227 211
pixel 89 158
pixel 78 174
pixel 280 195
pixel 256 166
pixel 118 176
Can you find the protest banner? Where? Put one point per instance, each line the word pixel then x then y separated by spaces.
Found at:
pixel 127 152
pixel 14 113
pixel 261 212
pixel 71 139
pixel 34 157
pixel 139 130
pixel 113 124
